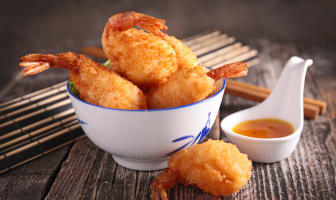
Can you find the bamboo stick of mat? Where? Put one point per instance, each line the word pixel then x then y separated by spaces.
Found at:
pixel 34 136
pixel 200 37
pixel 213 46
pixel 229 55
pixel 223 51
pixel 209 41
pixel 37 112
pixel 56 117
pixel 39 142
pixel 32 96
pixel 36 105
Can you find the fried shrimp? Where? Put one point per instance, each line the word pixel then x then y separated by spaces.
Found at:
pixel 96 84
pixel 187 86
pixel 184 87
pixel 214 166
pixel 145 58
pixel 186 58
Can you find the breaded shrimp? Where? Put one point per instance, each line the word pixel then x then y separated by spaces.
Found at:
pixel 186 58
pixel 183 87
pixel 96 84
pixel 144 58
pixel 187 86
pixel 214 166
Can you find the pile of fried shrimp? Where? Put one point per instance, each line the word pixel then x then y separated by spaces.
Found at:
pixel 148 70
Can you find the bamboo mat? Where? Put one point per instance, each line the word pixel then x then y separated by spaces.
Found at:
pixel 43 121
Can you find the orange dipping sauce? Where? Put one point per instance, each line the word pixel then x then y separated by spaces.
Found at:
pixel 264 128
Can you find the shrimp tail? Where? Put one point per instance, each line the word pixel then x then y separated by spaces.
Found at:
pixel 163 181
pixel 232 70
pixel 31 68
pixel 36 63
pixel 126 20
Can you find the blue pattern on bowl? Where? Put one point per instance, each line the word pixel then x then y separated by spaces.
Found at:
pixel 200 136
pixel 82 122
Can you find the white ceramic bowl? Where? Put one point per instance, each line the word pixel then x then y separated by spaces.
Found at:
pixel 145 139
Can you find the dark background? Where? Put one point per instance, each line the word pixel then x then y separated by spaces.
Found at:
pixel 58 26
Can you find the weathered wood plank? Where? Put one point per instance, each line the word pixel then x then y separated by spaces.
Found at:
pixel 80 173
pixel 144 179
pixel 107 178
pixel 323 73
pixel 323 130
pixel 32 180
pixel 124 183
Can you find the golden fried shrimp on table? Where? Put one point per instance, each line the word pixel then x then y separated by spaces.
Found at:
pixel 187 86
pixel 213 166
pixel 144 58
pixel 96 84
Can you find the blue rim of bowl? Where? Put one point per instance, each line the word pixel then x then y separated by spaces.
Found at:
pixel 149 110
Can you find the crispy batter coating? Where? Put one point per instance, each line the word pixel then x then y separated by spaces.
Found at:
pixel 214 166
pixel 96 84
pixel 183 87
pixel 186 58
pixel 144 58
pixel 190 85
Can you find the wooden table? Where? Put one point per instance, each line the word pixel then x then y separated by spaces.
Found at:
pixel 82 171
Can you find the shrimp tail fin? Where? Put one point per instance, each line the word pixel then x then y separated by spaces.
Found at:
pixel 31 67
pixel 36 63
pixel 126 20
pixel 232 70
pixel 164 181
